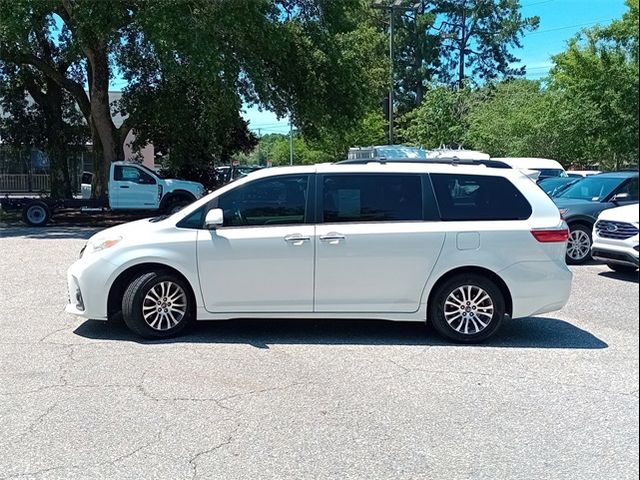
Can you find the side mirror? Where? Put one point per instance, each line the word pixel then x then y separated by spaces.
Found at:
pixel 620 197
pixel 214 219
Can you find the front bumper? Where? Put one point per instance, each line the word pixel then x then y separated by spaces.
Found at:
pixel 619 252
pixel 88 283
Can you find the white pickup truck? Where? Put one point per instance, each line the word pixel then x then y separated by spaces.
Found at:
pixel 132 187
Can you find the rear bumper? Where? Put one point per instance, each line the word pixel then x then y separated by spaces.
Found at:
pixel 538 287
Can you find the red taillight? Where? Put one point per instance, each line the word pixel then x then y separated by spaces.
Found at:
pixel 551 236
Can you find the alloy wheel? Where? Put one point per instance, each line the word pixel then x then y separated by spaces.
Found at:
pixel 579 245
pixel 468 309
pixel 164 306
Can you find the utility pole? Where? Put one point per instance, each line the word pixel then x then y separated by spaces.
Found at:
pixel 393 7
pixel 290 141
pixel 463 46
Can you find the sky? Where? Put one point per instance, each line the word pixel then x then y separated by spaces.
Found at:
pixel 560 20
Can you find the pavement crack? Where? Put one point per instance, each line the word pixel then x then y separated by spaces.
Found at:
pixel 193 461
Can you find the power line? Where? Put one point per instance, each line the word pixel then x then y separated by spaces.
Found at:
pixel 570 26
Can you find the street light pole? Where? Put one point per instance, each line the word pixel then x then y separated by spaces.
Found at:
pixel 392 7
pixel 290 142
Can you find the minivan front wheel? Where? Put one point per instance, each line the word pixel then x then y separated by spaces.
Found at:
pixel 157 305
pixel 467 308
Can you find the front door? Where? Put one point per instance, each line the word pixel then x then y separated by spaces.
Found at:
pixel 374 251
pixel 133 189
pixel 261 259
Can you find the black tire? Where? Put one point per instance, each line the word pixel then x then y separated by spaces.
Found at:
pixel 616 267
pixel 579 230
pixel 176 204
pixel 36 214
pixel 134 299
pixel 444 292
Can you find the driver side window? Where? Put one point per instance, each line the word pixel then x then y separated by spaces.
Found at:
pixel 271 201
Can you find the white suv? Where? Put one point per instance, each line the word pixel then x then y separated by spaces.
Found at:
pixel 460 246
pixel 615 238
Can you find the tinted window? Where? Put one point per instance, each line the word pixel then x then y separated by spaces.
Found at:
pixel 194 219
pixel 272 201
pixel 372 198
pixel 471 197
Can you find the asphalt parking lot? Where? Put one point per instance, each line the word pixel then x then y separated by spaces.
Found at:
pixel 550 397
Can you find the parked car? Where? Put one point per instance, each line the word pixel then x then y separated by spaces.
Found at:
pixel 556 185
pixel 547 168
pixel 386 241
pixel 583 201
pixel 615 238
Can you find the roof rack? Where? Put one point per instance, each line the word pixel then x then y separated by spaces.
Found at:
pixel 441 160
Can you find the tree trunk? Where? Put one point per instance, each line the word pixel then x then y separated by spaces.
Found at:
pixel 101 121
pixel 57 143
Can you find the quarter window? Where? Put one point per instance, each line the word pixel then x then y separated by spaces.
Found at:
pixel 372 198
pixel 475 197
pixel 272 201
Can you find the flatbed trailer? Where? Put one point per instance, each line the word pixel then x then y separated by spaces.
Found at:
pixel 37 211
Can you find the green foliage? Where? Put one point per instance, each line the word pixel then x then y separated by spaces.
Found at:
pixel 440 120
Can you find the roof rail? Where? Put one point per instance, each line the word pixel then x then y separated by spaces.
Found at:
pixel 442 160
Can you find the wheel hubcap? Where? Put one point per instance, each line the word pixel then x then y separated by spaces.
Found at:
pixel 468 309
pixel 164 306
pixel 35 214
pixel 579 245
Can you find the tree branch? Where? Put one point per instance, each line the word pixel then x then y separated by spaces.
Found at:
pixel 74 88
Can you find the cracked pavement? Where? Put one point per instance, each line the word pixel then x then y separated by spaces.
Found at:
pixel 549 397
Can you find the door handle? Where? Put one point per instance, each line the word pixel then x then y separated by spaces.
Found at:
pixel 332 238
pixel 296 239
pixel 124 186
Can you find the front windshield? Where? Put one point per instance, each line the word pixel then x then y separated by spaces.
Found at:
pixel 593 189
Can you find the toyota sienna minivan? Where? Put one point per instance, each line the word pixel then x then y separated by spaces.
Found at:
pixel 462 247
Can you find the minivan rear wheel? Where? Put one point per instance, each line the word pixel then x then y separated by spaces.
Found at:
pixel 157 305
pixel 467 308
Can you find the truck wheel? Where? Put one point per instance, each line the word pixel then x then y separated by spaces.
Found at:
pixel 157 305
pixel 36 214
pixel 175 205
pixel 468 308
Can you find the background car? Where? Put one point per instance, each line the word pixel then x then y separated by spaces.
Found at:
pixel 582 173
pixel 556 185
pixel 582 202
pixel 547 168
pixel 615 238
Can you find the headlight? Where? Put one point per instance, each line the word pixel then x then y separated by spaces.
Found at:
pixel 563 212
pixel 100 244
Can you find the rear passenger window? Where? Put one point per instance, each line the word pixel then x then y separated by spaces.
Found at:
pixel 372 198
pixel 474 197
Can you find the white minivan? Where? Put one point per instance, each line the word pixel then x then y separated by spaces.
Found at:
pixel 459 246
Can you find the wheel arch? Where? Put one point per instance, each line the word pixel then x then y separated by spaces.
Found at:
pixel 176 194
pixel 485 272
pixel 122 281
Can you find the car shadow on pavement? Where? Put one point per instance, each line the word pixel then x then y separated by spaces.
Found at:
pixel 48 233
pixel 625 277
pixel 533 332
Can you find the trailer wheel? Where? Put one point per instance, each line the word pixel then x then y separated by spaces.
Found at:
pixel 36 214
